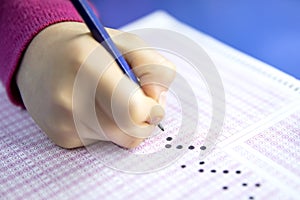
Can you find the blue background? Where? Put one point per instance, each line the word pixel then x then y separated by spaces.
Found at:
pixel 267 30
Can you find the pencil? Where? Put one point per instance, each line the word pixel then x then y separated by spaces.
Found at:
pixel 100 34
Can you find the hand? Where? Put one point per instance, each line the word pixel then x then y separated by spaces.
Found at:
pixel 48 72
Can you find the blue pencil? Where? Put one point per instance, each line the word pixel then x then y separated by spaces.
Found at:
pixel 99 33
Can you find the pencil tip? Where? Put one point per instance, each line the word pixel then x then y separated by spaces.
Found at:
pixel 161 127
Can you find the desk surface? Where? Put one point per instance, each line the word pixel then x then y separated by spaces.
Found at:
pixel 267 30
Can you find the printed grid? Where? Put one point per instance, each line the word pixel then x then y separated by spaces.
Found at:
pixel 281 143
pixel 33 167
pixel 250 97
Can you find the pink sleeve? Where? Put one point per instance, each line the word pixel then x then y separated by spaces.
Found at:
pixel 20 22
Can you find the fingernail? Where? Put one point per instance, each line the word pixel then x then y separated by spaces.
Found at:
pixel 155 120
pixel 156 114
pixel 162 99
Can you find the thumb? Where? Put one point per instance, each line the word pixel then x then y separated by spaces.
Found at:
pixel 144 107
pixel 124 102
pixel 155 79
pixel 134 112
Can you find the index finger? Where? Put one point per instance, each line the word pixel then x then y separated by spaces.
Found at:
pixel 154 71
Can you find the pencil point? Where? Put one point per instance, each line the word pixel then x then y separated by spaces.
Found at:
pixel 161 127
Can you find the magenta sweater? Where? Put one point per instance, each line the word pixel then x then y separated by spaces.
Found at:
pixel 20 21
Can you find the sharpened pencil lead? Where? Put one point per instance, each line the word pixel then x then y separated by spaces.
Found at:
pixel 161 127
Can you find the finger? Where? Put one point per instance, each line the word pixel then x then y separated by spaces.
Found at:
pixel 121 99
pixel 154 71
pixel 116 135
pixel 155 80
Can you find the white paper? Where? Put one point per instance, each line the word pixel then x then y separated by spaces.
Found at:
pixel 257 155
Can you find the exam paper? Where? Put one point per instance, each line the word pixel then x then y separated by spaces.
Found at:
pixel 256 155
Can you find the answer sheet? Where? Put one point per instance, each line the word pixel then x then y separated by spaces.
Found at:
pixel 257 154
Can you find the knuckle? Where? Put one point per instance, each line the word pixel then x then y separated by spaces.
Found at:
pixel 131 37
pixel 169 65
pixel 167 71
pixel 128 42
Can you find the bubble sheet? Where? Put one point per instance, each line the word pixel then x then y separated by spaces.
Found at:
pixel 281 143
pixel 32 167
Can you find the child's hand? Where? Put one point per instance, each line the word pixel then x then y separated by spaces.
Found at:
pixel 46 79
